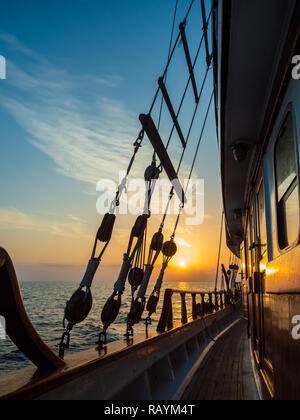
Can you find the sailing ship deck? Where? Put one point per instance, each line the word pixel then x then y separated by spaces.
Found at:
pixel 227 372
pixel 162 366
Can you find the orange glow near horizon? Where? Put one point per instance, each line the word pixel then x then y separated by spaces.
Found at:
pixel 53 255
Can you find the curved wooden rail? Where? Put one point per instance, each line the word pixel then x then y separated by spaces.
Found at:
pixel 18 325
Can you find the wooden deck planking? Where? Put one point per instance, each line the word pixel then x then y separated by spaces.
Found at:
pixel 227 373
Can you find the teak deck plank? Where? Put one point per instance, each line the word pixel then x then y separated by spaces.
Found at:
pixel 227 372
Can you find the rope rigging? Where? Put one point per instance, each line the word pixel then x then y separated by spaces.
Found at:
pixel 139 277
pixel 170 248
pixel 171 195
pixel 169 53
pixel 170 58
pixel 135 266
pixel 219 253
pixel 138 305
pixel 80 304
pixel 134 254
pixel 187 86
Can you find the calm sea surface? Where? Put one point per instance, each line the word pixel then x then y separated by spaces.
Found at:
pixel 45 304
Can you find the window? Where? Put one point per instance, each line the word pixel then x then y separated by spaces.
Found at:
pixel 250 249
pixel 287 184
pixel 262 228
pixel 243 261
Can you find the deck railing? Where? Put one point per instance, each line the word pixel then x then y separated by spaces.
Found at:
pixel 209 303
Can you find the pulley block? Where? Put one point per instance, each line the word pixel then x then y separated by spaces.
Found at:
pixel 79 307
pixel 169 249
pixel 137 310
pixel 110 310
pixel 106 229
pixel 157 241
pixel 135 277
pixel 151 173
pixel 152 304
pixel 139 226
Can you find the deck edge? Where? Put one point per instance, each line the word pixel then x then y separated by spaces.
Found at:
pixel 178 396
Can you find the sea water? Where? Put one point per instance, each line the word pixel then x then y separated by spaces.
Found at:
pixel 45 303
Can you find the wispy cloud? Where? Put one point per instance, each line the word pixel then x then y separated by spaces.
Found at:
pixel 70 227
pixel 12 42
pixel 108 81
pixel 72 120
pixel 182 242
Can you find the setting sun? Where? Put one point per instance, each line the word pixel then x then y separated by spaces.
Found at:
pixel 182 264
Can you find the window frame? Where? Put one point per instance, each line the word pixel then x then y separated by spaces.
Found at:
pixel 290 110
pixel 262 219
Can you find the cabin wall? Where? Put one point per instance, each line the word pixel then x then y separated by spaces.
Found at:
pixel 292 99
pixel 272 281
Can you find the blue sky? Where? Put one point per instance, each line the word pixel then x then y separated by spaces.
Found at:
pixel 78 75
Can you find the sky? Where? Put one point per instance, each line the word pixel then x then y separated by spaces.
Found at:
pixel 79 73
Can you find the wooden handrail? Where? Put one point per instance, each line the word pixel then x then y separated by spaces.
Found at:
pixel 210 302
pixel 18 325
pixel 193 292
